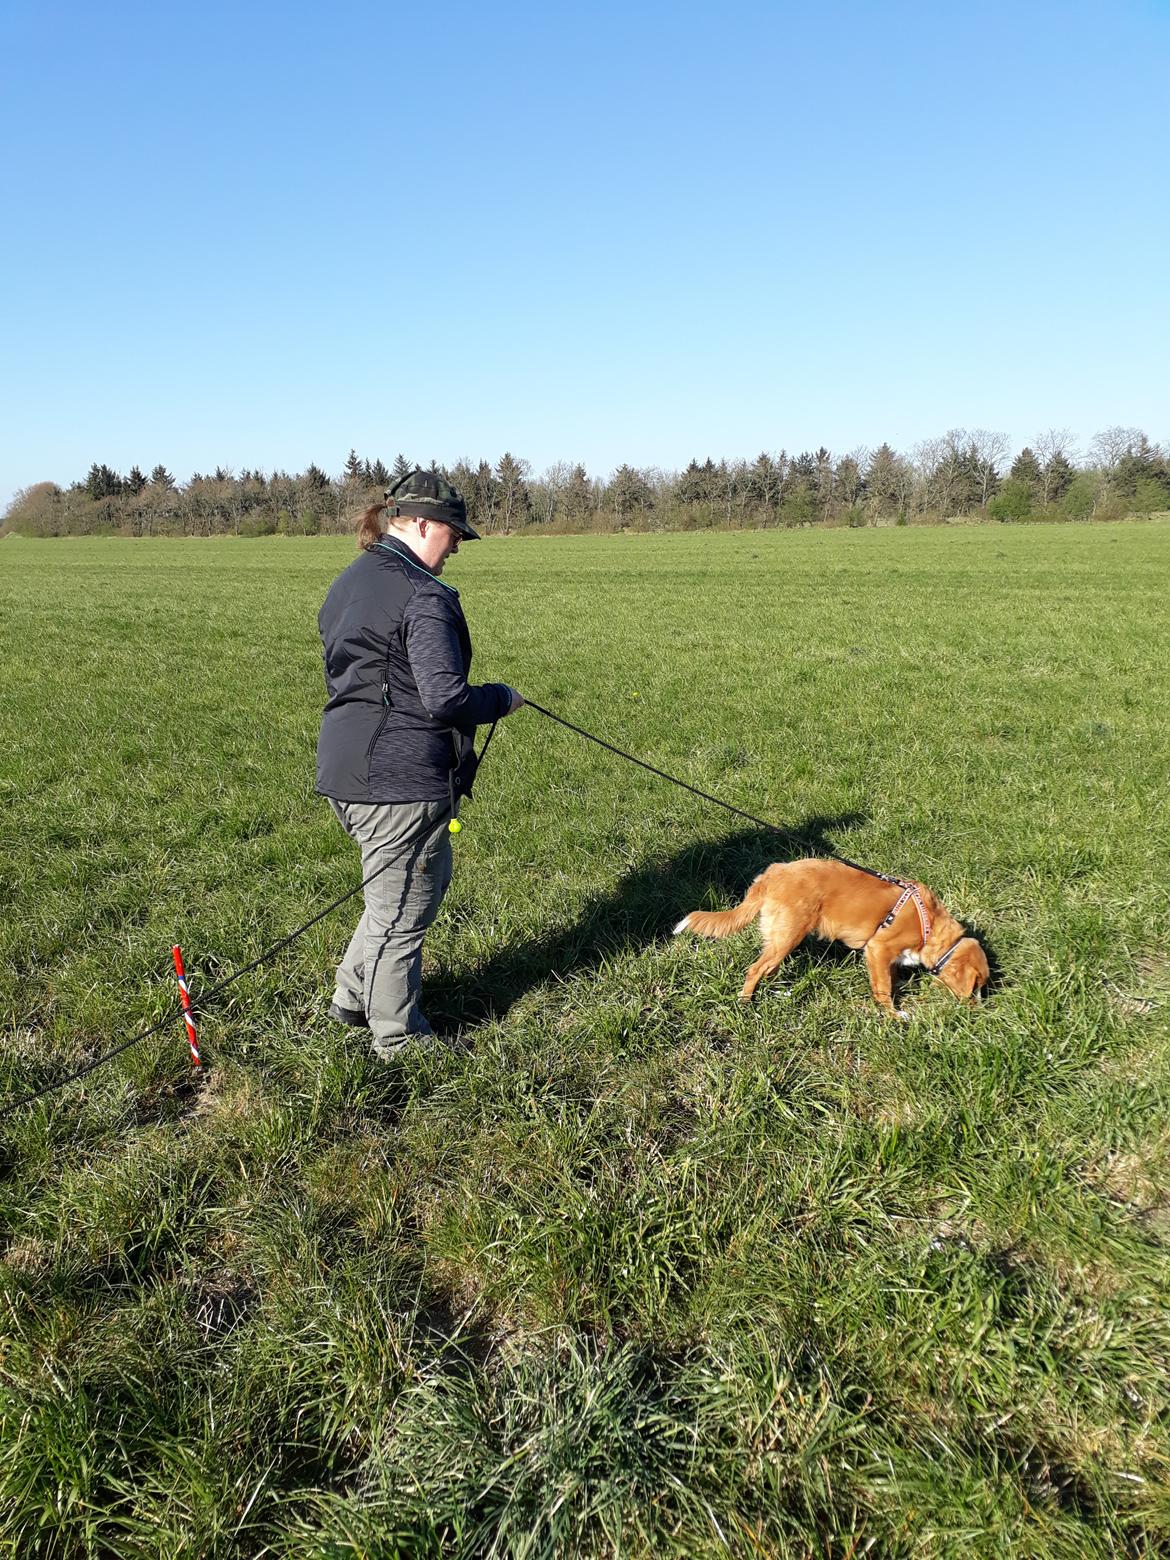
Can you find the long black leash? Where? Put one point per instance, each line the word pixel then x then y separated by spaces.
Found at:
pixel 269 953
pixel 909 890
pixel 177 1012
pixel 763 823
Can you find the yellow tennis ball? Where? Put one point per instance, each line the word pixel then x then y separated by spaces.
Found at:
pixel 454 826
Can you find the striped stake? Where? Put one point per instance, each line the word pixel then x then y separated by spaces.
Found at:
pixel 192 1038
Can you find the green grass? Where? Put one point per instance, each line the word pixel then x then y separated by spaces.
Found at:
pixel 631 1268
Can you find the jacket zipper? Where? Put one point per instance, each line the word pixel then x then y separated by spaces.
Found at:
pixel 377 733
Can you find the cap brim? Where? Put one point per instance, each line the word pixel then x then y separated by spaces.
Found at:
pixel 423 510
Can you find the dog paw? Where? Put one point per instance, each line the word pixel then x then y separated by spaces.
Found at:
pixel 681 927
pixel 901 1014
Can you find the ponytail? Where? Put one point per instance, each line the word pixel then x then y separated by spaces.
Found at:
pixel 369 527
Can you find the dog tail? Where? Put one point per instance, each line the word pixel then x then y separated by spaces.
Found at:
pixel 722 923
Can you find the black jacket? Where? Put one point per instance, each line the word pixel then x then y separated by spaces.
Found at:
pixel 400 722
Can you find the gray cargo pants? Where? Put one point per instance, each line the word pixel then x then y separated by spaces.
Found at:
pixel 381 972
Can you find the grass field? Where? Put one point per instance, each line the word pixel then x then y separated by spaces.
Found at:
pixel 629 1268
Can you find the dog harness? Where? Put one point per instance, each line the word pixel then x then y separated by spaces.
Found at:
pixel 909 891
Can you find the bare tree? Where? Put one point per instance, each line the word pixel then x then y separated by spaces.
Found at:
pixel 548 492
pixel 1056 450
pixel 929 457
pixel 1111 444
pixel 726 488
pixel 988 450
pixel 849 481
pixel 1056 441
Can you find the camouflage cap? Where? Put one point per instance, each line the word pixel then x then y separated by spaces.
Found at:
pixel 428 496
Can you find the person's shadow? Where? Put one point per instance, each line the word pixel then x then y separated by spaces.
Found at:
pixel 641 910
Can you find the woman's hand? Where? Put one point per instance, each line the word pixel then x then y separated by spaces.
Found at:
pixel 517 701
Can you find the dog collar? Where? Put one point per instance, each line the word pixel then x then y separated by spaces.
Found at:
pixel 938 964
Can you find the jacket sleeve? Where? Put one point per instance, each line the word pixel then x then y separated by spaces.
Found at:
pixel 330 690
pixel 432 647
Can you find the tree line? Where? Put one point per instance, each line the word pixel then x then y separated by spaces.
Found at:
pixel 959 474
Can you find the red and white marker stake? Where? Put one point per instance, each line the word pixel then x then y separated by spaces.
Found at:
pixel 192 1038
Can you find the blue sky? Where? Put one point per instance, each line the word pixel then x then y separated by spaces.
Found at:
pixel 257 235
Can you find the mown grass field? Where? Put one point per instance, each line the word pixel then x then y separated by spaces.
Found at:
pixel 629 1268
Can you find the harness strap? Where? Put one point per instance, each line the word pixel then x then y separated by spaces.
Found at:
pixel 909 891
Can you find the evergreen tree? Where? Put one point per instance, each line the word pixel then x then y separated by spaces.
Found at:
pixel 629 492
pixel 1139 461
pixel 103 482
pixel 480 494
pixel 822 479
pixel 578 494
pixel 379 476
pixel 1150 496
pixel 315 478
pixel 402 467
pixel 699 485
pixel 353 467
pixel 160 477
pixel 725 488
pixel 693 486
pixel 461 476
pixel 970 479
pixel 765 483
pixel 1025 468
pixel 135 482
pixel 488 490
pixel 515 502
pixel 799 497
pixel 886 482
pixel 1056 479
pixel 848 483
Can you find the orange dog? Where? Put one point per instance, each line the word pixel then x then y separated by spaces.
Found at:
pixel 894 921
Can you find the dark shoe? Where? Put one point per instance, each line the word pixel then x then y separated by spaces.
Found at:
pixel 354 1017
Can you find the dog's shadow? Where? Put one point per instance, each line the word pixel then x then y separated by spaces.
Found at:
pixel 641 910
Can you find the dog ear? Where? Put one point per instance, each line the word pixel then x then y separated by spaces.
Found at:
pixel 975 976
pixel 965 974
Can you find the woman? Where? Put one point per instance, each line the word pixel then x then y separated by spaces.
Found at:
pixel 396 750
